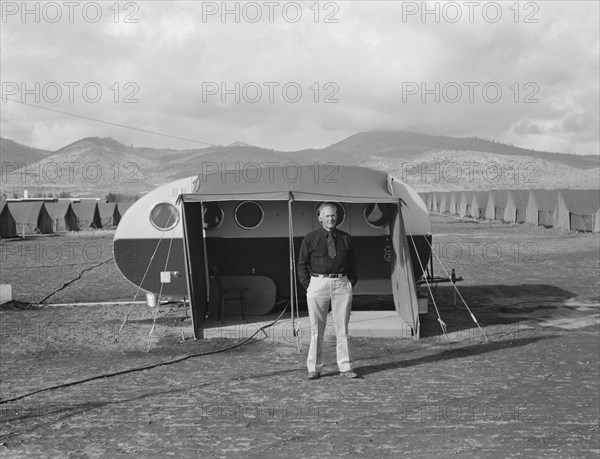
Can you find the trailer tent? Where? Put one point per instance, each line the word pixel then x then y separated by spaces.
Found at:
pixel 479 203
pixel 496 205
pixel 295 192
pixel 87 214
pixel 577 210
pixel 30 217
pixel 8 227
pixel 516 205
pixel 541 206
pixel 62 215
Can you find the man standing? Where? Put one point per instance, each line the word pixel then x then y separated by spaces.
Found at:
pixel 327 270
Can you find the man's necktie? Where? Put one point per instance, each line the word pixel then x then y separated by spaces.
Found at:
pixel 331 246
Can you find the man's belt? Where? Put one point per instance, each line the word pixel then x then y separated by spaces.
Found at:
pixel 327 275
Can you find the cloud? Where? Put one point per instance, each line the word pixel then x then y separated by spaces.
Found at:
pixel 382 65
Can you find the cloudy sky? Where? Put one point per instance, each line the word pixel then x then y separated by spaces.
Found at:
pixel 294 75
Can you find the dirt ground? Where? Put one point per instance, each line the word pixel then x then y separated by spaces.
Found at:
pixel 531 390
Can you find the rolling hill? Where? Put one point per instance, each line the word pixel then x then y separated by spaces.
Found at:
pixel 95 166
pixel 14 152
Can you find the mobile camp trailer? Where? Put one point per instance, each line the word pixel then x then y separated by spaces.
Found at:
pixel 169 240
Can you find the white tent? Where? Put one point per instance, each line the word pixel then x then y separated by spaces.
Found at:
pixel 577 210
pixel 464 204
pixel 479 203
pixel 541 206
pixel 454 203
pixel 516 205
pixel 497 200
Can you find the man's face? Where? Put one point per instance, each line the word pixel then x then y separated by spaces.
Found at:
pixel 328 217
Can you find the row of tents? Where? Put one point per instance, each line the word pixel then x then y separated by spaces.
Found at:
pixel 577 210
pixel 21 217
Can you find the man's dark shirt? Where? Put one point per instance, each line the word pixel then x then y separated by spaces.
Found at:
pixel 314 257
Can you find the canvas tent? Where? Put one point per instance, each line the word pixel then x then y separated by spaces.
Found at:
pixel 352 185
pixel 122 208
pixel 30 217
pixel 8 227
pixel 540 207
pixel 454 203
pixel 479 203
pixel 425 197
pixel 87 214
pixel 444 202
pixel 109 214
pixel 62 215
pixel 516 205
pixel 464 204
pixel 496 204
pixel 577 210
pixel 436 201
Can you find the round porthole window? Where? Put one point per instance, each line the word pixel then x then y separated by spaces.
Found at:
pixel 249 214
pixel 375 216
pixel 164 216
pixel 212 215
pixel 341 213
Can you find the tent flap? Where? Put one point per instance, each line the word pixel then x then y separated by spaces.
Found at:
pixel 402 278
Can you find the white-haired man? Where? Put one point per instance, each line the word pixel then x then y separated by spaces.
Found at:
pixel 327 270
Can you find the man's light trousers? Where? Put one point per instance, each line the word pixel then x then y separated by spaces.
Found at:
pixel 321 292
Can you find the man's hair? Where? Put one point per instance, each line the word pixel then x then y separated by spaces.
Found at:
pixel 326 204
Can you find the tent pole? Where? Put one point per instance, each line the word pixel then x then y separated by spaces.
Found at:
pixel 207 274
pixel 291 246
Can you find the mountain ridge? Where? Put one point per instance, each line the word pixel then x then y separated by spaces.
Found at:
pixel 94 166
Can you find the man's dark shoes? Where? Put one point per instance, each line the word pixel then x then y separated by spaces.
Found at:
pixel 349 374
pixel 313 375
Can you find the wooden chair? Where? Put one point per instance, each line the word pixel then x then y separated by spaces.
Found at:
pixel 232 293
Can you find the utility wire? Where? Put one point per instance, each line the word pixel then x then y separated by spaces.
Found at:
pixel 133 128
